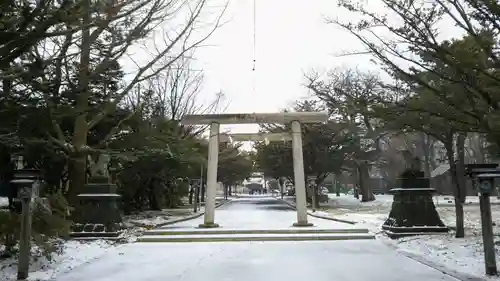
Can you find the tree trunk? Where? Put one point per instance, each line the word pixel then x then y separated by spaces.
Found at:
pixel 191 193
pixel 202 193
pixel 281 183
pixel 314 197
pixel 432 156
pixel 155 195
pixel 6 82
pixel 354 178
pixel 459 218
pixel 77 177
pixel 78 172
pixel 461 187
pixel 457 192
pixel 426 147
pixel 364 186
pixel 337 186
pixel 316 193
pixel 476 147
pixel 460 167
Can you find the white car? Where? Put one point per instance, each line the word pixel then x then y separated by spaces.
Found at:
pixel 323 190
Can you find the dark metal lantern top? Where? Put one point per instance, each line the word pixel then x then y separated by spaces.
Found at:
pixel 23 182
pixel 483 171
pixel 27 174
pixel 24 188
pixel 481 166
pixel 412 190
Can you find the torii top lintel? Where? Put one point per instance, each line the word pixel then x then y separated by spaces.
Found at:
pixel 255 118
pixel 271 137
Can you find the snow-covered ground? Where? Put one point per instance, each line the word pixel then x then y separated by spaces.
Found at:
pixel 462 255
pixel 76 253
pixel 348 201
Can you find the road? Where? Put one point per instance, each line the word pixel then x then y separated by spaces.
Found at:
pixel 355 260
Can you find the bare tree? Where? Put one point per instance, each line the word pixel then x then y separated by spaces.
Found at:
pixel 350 96
pixel 176 91
pixel 153 35
pixel 456 80
pixel 406 38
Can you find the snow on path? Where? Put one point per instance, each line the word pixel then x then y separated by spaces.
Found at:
pixel 320 260
pixel 251 261
pixel 462 255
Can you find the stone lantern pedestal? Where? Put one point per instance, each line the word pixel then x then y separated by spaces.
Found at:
pixel 97 215
pixel 413 211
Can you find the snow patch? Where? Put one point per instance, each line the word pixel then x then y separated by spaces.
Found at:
pixel 4 202
pixel 348 201
pixel 463 255
pixel 74 254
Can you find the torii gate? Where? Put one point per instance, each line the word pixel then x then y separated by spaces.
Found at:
pixel 295 118
pixel 265 137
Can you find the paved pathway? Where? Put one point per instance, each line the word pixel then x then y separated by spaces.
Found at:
pixel 368 260
pixel 258 212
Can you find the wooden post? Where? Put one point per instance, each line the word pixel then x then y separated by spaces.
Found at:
pixel 336 186
pixel 487 229
pixel 25 194
pixel 200 190
pixel 24 243
pixel 282 188
pixel 195 200
pixel 483 176
pixel 313 197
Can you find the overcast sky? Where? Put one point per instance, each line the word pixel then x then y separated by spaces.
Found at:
pixel 292 38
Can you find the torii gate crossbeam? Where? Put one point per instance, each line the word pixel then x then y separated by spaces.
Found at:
pixel 266 137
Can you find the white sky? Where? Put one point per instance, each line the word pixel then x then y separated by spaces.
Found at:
pixel 292 38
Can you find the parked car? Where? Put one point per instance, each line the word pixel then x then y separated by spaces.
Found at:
pixel 323 190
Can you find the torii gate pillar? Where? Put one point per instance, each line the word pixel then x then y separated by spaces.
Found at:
pixel 299 177
pixel 213 163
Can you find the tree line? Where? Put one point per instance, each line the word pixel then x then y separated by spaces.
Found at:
pixel 440 95
pixel 80 79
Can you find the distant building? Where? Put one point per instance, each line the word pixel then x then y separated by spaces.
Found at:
pixel 441 181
